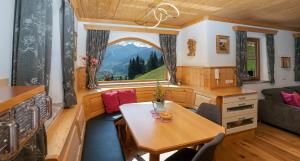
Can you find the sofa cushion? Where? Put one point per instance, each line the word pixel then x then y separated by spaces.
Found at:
pixel 274 93
pixel 111 101
pixel 127 96
pixel 292 99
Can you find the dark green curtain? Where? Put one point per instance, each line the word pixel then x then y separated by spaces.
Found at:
pixel 241 56
pixel 297 59
pixel 168 48
pixel 96 44
pixel 67 32
pixel 32 43
pixel 271 56
pixel 32 59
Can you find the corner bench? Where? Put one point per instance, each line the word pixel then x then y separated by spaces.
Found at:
pixel 101 139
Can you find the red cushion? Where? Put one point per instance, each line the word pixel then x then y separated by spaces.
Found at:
pixel 296 98
pixel 111 101
pixel 291 98
pixel 127 96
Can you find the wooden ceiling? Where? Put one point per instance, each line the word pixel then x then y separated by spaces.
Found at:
pixel 283 14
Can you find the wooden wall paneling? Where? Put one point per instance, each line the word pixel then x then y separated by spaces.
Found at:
pixel 226 73
pixel 93 105
pixel 80 77
pixel 204 77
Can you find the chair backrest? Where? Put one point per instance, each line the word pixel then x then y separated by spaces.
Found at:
pixel 211 112
pixel 206 153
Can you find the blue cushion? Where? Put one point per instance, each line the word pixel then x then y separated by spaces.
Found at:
pixel 101 140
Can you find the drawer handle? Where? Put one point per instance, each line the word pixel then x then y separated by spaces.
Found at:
pixel 49 107
pixel 35 117
pixel 242 118
pixel 242 98
pixel 242 104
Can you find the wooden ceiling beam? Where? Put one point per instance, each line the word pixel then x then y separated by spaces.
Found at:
pixel 253 29
pixel 125 22
pixel 130 29
pixel 296 34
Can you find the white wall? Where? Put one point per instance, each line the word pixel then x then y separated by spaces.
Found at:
pixel 55 87
pixel 6 38
pixel 114 35
pixel 284 46
pixel 198 33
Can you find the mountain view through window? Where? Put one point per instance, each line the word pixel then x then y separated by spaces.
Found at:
pixel 131 60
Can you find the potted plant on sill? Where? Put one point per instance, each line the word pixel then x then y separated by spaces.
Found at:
pixel 159 99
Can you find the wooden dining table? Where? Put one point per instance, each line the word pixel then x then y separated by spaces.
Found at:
pixel 155 136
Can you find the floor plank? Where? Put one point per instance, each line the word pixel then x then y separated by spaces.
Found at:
pixel 269 144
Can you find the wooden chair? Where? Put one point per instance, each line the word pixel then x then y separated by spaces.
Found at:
pixel 206 153
pixel 211 112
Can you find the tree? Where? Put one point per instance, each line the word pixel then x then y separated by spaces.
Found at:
pixel 161 61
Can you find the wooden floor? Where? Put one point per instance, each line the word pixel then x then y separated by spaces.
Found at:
pixel 268 144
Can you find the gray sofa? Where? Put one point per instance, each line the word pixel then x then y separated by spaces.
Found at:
pixel 274 111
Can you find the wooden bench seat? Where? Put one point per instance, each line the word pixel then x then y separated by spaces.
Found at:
pixel 101 139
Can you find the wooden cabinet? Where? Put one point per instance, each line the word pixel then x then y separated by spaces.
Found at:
pixel 66 136
pixel 181 96
pixel 72 152
pixel 238 107
pixel 239 113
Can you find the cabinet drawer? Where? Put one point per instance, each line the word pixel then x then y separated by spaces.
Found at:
pixel 72 152
pixel 240 123
pixel 239 108
pixel 239 98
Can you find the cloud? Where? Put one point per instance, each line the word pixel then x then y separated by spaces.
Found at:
pixel 135 43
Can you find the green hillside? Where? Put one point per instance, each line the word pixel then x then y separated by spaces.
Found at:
pixel 156 74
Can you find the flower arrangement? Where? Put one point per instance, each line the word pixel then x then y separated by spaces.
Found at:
pixel 92 60
pixel 159 96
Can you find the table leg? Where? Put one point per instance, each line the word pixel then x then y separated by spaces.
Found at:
pixel 154 157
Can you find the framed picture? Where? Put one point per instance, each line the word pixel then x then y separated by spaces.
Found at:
pixel 222 44
pixel 285 62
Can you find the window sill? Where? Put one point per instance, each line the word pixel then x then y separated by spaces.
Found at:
pixel 255 82
pixel 131 84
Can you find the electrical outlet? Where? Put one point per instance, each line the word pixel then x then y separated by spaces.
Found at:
pixel 229 81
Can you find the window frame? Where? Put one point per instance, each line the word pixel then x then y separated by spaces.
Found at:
pixel 166 75
pixel 257 52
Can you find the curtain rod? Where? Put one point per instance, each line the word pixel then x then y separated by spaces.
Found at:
pixel 129 29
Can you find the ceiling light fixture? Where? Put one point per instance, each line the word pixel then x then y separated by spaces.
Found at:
pixel 161 14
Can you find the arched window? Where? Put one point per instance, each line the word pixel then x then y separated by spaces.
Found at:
pixel 132 59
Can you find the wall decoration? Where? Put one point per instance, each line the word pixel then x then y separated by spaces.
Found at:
pixel 285 62
pixel 192 47
pixel 222 44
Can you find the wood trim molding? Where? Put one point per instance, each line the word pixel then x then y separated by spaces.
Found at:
pixel 243 22
pixel 129 29
pixel 4 82
pixel 126 23
pixel 252 29
pixel 135 39
pixel 296 34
